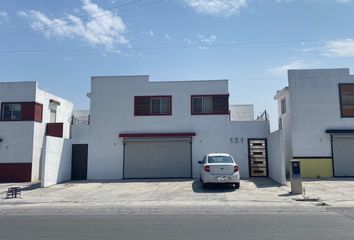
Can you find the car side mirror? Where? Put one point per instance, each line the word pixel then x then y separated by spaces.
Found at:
pixel 200 162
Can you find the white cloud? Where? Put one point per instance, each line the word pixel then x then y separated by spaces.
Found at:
pixel 188 41
pixel 339 48
pixel 311 49
pixel 281 71
pixel 102 27
pixel 208 40
pixel 201 41
pixel 151 33
pixel 217 7
pixel 3 16
pixel 338 1
pixel 168 37
pixel 343 1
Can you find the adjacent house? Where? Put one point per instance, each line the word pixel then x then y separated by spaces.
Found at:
pixel 27 115
pixel 316 118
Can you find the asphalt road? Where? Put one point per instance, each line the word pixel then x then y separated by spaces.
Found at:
pixel 243 226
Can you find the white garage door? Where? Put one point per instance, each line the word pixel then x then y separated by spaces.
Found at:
pixel 157 158
pixel 343 156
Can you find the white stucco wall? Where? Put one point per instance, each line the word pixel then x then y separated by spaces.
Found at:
pixel 56 165
pixel 64 111
pixel 112 113
pixel 276 158
pixel 17 91
pixel 80 131
pixel 80 134
pixel 242 112
pixel 17 142
pixel 286 132
pixel 17 136
pixel 314 104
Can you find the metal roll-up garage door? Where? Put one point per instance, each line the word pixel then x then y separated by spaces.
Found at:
pixel 157 158
pixel 343 155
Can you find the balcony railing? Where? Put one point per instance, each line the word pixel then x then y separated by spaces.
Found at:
pixel 79 120
pixel 263 117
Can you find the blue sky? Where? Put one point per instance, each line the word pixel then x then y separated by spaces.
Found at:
pixel 252 43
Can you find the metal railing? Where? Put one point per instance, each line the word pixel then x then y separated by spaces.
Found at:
pixel 263 116
pixel 79 120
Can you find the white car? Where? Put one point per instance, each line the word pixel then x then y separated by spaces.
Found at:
pixel 219 168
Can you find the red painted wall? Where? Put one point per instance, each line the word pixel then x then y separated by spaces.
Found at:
pixel 38 112
pixel 55 130
pixel 15 172
pixel 27 109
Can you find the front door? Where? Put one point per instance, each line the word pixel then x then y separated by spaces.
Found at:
pixel 79 162
pixel 257 156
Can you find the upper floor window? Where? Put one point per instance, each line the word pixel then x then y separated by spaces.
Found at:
pixel 283 106
pixel 53 106
pixel 346 94
pixel 53 116
pixel 152 105
pixel 210 104
pixel 11 112
pixel 23 111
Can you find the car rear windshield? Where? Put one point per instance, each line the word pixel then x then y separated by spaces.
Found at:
pixel 220 159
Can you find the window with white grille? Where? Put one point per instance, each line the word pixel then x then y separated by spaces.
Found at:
pixel 156 105
pixel 211 104
pixel 11 112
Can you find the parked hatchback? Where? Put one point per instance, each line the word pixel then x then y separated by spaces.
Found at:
pixel 219 168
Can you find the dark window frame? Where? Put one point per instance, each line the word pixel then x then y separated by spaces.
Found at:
pixel 150 105
pixel 32 118
pixel 3 111
pixel 342 114
pixel 213 112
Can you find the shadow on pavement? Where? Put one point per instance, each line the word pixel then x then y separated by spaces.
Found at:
pixel 212 188
pixel 263 182
pixel 31 187
pixel 164 180
pixel 285 195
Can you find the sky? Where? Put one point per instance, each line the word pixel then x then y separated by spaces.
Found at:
pixel 61 44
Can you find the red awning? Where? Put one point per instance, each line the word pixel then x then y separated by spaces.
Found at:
pixel 152 135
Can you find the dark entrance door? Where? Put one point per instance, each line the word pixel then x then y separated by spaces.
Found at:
pixel 79 162
pixel 258 157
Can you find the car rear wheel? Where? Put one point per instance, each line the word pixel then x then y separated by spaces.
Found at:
pixel 237 185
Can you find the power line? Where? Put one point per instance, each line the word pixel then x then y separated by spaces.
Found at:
pixel 197 46
pixel 30 30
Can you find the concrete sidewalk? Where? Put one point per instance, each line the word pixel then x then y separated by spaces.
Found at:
pixel 260 194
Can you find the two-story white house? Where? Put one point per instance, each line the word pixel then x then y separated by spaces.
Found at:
pixel 149 129
pixel 316 118
pixel 27 115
